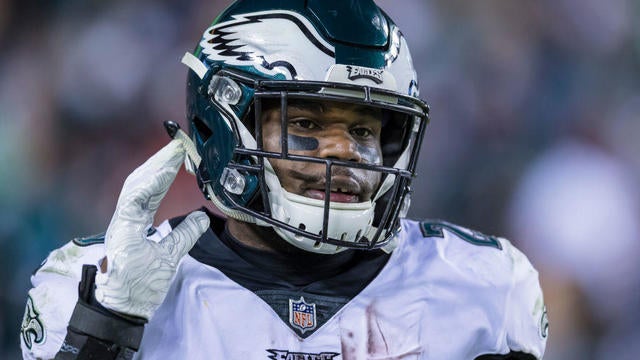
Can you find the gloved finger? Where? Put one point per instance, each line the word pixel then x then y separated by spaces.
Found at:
pixel 178 243
pixel 150 174
pixel 147 185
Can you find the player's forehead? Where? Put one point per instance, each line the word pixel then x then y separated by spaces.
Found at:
pixel 321 108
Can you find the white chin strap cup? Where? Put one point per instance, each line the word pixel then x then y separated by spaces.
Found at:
pixel 347 221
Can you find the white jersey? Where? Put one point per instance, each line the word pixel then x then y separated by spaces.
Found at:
pixel 445 293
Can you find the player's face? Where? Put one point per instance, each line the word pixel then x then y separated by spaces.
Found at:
pixel 328 130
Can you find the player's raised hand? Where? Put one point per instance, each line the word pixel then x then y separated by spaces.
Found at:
pixel 139 271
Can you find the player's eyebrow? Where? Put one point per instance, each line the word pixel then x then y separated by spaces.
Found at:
pixel 315 106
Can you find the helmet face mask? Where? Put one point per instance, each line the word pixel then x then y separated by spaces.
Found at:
pixel 240 171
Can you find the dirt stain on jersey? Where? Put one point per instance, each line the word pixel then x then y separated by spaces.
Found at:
pixel 377 346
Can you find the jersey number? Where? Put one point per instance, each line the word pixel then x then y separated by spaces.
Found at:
pixel 435 228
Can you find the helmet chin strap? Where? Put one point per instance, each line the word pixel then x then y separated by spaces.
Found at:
pixel 235 214
pixel 192 162
pixel 194 64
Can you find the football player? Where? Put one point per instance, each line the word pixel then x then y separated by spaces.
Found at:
pixel 304 127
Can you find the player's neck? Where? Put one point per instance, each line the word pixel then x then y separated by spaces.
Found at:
pixel 260 238
pixel 266 251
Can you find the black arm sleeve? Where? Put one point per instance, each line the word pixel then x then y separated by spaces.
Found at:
pixel 96 333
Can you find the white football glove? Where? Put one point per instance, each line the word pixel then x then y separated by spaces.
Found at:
pixel 140 271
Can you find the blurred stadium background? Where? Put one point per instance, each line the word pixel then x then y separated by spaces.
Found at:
pixel 534 136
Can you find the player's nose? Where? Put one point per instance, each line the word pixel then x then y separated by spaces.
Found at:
pixel 339 144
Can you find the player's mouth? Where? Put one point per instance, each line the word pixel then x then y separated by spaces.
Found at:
pixel 343 190
pixel 335 196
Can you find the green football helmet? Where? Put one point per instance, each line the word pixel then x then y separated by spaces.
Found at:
pixel 264 52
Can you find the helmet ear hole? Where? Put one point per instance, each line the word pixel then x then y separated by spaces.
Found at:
pixel 202 129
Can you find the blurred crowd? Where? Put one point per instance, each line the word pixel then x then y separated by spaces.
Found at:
pixel 534 136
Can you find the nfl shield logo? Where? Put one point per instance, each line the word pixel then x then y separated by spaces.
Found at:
pixel 302 315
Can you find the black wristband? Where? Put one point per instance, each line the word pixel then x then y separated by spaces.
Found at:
pixel 108 327
pixel 96 333
pixel 84 347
